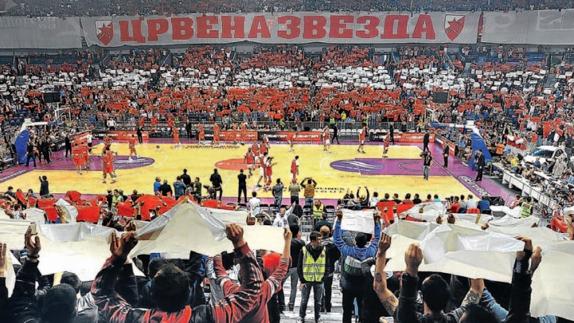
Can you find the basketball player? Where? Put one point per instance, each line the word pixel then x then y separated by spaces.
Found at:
pixel 77 158
pixel 269 172
pixel 108 165
pixel 295 168
pixel 132 146
pixel 362 137
pixel 200 133
pixel 249 160
pixel 176 141
pixel 386 144
pixel 291 139
pixel 326 137
pixel 266 143
pixel 216 132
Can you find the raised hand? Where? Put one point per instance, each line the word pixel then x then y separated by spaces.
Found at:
pixel 536 259
pixel 32 243
pixel 384 243
pixel 235 235
pixel 122 245
pixel 339 215
pixel 287 234
pixel 520 255
pixel 377 216
pixel 413 259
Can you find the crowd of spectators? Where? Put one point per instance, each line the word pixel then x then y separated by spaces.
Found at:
pixel 62 8
pixel 176 287
pixel 507 90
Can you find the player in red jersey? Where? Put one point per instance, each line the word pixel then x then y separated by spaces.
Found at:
pixel 386 144
pixel 249 160
pixel 108 165
pixel 132 145
pixel 85 157
pixel 176 141
pixel 269 172
pixel 295 167
pixel 261 161
pixel 216 133
pixel 255 149
pixel 266 143
pixel 326 138
pixel 77 158
pixel 291 139
pixel 107 142
pixel 362 137
pixel 200 133
pixel 263 149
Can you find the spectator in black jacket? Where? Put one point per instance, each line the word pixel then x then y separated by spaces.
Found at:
pixel 44 186
pixel 296 245
pixel 165 189
pixel 186 178
pixel 216 182
pixel 435 292
pixel 333 255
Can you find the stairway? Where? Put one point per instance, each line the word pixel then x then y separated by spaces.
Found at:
pixel 336 314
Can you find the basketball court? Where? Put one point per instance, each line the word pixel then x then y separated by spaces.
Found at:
pixel 336 171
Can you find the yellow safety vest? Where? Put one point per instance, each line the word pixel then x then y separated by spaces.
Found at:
pixel 525 210
pixel 313 270
pixel 317 212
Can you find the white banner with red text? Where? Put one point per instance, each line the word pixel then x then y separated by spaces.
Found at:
pixel 280 28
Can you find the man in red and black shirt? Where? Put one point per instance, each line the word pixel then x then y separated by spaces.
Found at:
pixel 272 285
pixel 170 289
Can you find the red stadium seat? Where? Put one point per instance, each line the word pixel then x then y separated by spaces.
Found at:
pixel 88 214
pixel 73 196
pixel 169 203
pixel 32 201
pixel 210 203
pixel 403 207
pixel 21 197
pixel 51 213
pixel 126 209
pixel 473 211
pixel 558 224
pixel 387 210
pixel 45 203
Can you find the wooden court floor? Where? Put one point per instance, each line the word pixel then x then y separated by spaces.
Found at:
pixel 336 171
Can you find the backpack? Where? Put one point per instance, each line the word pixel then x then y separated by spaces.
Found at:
pixel 352 267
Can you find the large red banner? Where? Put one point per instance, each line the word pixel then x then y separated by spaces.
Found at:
pixel 288 27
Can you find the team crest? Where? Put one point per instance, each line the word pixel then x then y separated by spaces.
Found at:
pixel 453 26
pixel 105 31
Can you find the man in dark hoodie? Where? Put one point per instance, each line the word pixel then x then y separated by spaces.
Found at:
pixel 311 269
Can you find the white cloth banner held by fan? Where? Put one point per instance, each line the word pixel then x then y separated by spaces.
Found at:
pixel 360 221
